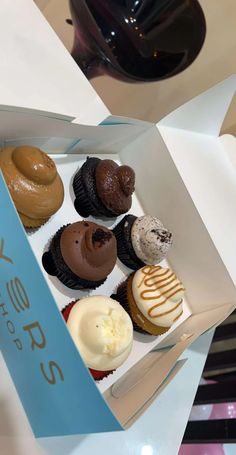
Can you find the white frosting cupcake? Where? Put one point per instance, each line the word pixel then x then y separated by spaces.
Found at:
pixel 102 331
pixel 150 239
pixel 158 294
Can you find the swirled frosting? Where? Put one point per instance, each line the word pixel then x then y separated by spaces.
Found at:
pixel 158 294
pixel 32 179
pixel 115 185
pixel 102 331
pixel 89 250
pixel 150 239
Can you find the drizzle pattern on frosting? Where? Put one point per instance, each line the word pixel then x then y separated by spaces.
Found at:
pixel 158 294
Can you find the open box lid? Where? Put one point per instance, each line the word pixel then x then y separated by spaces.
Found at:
pixel 205 113
pixel 206 163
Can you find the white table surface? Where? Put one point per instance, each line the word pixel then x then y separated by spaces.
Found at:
pixel 37 72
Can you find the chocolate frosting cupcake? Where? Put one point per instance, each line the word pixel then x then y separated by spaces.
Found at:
pixel 89 250
pixel 81 255
pixel 103 188
pixel 115 186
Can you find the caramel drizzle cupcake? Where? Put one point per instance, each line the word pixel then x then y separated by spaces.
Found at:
pixel 154 287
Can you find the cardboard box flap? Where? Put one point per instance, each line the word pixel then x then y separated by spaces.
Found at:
pixel 205 113
pixel 131 393
pixel 120 120
pixel 38 112
pixel 60 135
pixel 18 124
pixel 229 123
pixel 199 323
pixel 207 166
pixel 47 370
pixel 173 372
pixel 127 402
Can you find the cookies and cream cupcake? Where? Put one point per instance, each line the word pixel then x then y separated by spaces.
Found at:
pixel 81 255
pixel 153 297
pixel 102 331
pixel 103 188
pixel 141 240
pixel 34 183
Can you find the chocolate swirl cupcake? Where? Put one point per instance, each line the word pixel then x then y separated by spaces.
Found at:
pixel 34 183
pixel 103 188
pixel 81 255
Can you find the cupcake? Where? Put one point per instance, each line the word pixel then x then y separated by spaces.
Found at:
pixel 103 188
pixel 102 331
pixel 153 297
pixel 81 255
pixel 34 183
pixel 142 240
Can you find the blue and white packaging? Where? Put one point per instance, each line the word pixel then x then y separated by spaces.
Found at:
pixel 186 176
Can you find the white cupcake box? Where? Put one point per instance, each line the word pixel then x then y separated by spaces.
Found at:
pixel 186 176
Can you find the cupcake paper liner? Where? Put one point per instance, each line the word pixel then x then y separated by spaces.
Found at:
pixel 122 297
pixel 87 201
pixel 99 375
pixel 30 223
pixel 125 250
pixel 82 202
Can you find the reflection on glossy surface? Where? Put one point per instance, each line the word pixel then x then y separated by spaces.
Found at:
pixel 223 411
pixel 201 449
pixel 141 40
pixel 201 412
pixel 147 450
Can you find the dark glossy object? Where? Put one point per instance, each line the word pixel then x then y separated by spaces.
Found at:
pixel 136 40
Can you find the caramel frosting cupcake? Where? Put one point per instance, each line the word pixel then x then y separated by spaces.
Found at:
pixel 103 188
pixel 142 240
pixel 102 332
pixel 34 183
pixel 81 255
pixel 153 296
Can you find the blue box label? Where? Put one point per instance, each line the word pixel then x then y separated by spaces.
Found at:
pixel 56 389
